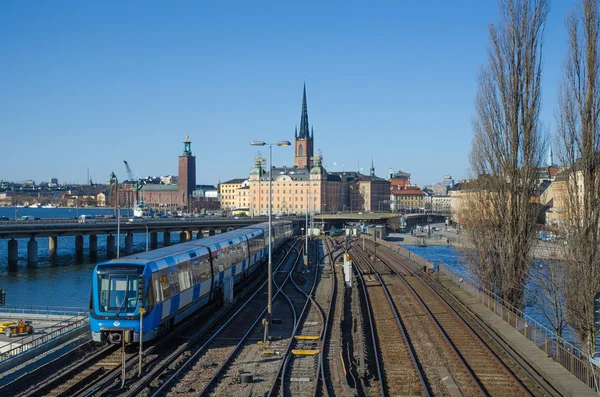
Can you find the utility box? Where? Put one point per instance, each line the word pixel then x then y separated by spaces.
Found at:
pixel 228 290
pixel 347 271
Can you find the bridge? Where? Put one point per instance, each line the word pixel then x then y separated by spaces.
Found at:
pixel 54 228
pixel 380 218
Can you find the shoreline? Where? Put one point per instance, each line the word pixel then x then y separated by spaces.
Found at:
pixel 543 250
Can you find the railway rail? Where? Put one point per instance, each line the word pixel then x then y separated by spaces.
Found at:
pixel 197 369
pixel 330 381
pixel 101 372
pixel 399 373
pixel 263 363
pixel 464 351
pixel 303 373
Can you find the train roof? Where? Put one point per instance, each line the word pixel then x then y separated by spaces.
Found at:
pixel 215 241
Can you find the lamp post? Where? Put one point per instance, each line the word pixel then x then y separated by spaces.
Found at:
pixel 306 227
pixel 270 265
pixel 118 228
pixel 146 226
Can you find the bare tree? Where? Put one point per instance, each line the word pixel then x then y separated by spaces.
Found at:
pixel 547 291
pixel 579 134
pixel 500 219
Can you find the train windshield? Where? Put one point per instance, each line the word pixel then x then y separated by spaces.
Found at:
pixel 118 290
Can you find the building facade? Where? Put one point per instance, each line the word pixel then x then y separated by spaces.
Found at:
pixel 407 198
pixel 228 191
pixel 309 187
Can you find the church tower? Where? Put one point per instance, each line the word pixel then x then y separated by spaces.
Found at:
pixel 303 140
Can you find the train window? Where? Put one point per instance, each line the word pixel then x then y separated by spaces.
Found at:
pixel 184 277
pixel 165 286
pixel 118 292
pixel 174 282
pixel 157 289
pixel 150 297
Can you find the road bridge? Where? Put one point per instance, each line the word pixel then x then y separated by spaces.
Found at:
pixel 54 228
pixel 411 220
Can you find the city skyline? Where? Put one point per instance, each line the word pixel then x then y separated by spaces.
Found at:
pixel 88 86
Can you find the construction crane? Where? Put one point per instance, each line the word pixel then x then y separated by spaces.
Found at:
pixel 138 184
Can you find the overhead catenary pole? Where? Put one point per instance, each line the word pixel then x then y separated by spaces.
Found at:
pixel 267 323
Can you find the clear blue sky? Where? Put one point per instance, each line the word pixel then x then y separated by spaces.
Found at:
pixel 89 84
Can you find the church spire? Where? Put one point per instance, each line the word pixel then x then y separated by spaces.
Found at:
pixel 372 167
pixel 304 132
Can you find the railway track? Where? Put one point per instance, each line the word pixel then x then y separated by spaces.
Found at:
pixel 466 358
pixel 303 372
pixel 263 362
pixel 21 377
pixel 100 373
pixel 399 373
pixel 196 365
pixel 332 381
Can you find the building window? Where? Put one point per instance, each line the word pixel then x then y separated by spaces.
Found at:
pixel 300 151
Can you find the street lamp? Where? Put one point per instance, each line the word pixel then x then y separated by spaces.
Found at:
pixel 306 227
pixel 146 226
pixel 270 265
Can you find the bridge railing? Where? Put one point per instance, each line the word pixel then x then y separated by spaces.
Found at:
pixel 563 352
pixel 18 311
pixel 127 219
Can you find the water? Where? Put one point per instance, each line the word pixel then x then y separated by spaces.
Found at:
pixel 62 281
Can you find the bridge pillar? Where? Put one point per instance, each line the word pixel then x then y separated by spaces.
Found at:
pixel 189 235
pixel 199 235
pixel 153 240
pixel 13 252
pixel 166 239
pixel 79 246
pixel 211 232
pixel 182 237
pixel 93 245
pixel 52 245
pixel 111 249
pixel 32 251
pixel 129 243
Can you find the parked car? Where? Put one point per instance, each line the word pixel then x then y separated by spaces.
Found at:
pixel 3 218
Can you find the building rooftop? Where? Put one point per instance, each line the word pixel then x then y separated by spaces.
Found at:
pixel 234 181
pixel 296 174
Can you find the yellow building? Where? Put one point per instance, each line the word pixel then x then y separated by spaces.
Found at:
pixel 230 194
pixel 408 197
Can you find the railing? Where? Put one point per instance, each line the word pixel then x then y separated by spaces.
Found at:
pixel 18 311
pixel 124 219
pixel 15 348
pixel 563 352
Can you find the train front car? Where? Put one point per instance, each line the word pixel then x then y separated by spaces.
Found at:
pixel 117 289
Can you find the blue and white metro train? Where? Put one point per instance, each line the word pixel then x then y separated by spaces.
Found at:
pixel 173 282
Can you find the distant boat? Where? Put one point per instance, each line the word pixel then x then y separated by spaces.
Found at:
pixel 49 206
pixel 142 210
pixel 20 206
pixel 36 205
